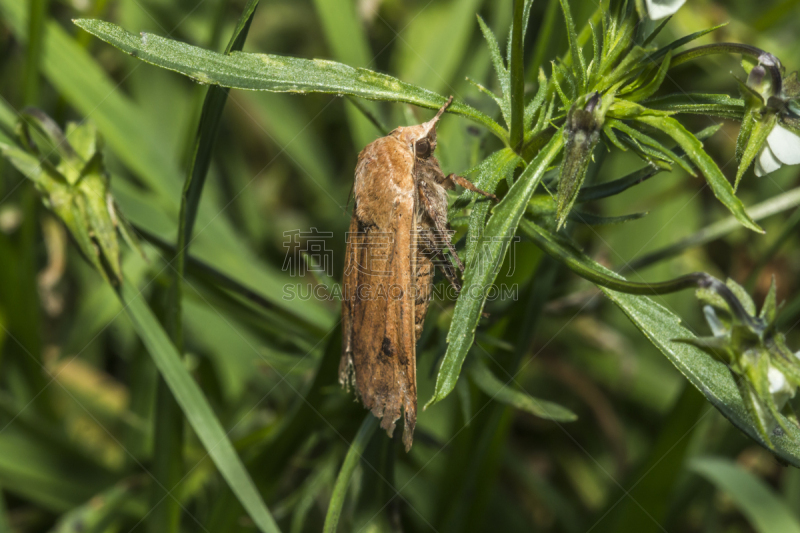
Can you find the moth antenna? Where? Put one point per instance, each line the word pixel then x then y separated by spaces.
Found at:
pixel 442 110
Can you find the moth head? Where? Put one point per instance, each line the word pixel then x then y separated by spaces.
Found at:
pixel 423 136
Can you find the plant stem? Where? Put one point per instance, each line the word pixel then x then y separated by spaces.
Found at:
pixel 352 458
pixel 517 74
pixel 716 48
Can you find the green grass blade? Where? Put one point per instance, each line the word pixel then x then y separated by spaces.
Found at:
pixel 481 273
pixel 264 72
pixel 351 460
pixel 195 407
pixel 714 177
pixel 502 392
pixel 764 508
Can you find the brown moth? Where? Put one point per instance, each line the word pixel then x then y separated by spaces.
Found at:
pixel 399 227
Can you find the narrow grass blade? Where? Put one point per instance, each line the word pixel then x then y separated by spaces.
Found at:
pixel 351 460
pixel 264 72
pixel 503 392
pixel 195 407
pixel 764 508
pixel 482 271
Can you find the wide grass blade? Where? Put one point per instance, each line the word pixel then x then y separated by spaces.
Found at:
pixel 764 509
pixel 265 72
pixel 195 407
pixel 482 271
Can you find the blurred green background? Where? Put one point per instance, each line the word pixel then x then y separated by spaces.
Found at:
pixel 77 388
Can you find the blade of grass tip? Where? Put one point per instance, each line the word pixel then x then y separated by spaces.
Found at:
pixel 168 454
pixel 352 458
pixel 195 406
pixel 30 80
pixel 517 78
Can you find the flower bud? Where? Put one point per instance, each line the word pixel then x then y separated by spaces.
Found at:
pixel 581 132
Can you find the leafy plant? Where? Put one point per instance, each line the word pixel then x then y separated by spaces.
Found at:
pixel 209 306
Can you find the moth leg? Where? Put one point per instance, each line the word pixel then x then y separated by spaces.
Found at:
pixel 445 265
pixel 439 219
pixel 464 182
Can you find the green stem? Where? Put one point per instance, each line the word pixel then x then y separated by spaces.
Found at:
pixel 352 458
pixel 517 74
pixel 716 48
pixel 576 261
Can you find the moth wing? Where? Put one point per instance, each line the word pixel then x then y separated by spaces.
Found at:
pixel 379 343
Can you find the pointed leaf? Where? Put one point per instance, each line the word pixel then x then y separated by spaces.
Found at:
pixel 483 269
pixel 265 72
pixel 714 177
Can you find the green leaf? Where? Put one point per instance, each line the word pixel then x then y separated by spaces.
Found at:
pixel 664 50
pixel 500 69
pixel 714 176
pixel 654 84
pixel 195 407
pixel 755 142
pixel 265 72
pixel 351 460
pixel 482 271
pixel 578 61
pixel 764 508
pixel 505 393
pixel 611 188
pixel 717 105
pixel 487 175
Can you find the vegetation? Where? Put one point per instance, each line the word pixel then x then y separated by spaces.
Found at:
pixel 170 340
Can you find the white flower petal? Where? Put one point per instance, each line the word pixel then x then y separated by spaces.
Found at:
pixel 659 9
pixel 779 387
pixel 785 145
pixel 766 162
